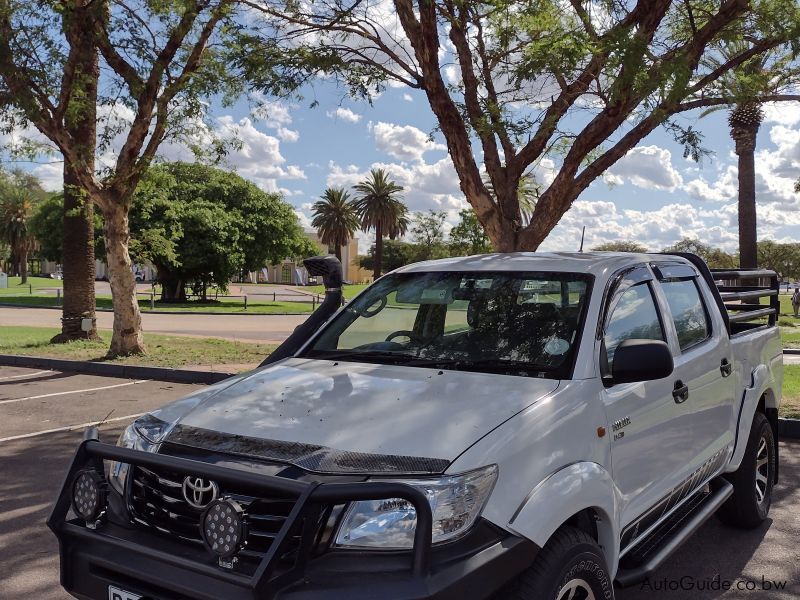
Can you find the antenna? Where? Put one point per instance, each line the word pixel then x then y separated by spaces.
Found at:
pixel 583 234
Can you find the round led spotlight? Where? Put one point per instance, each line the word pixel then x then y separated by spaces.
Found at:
pixel 89 495
pixel 223 526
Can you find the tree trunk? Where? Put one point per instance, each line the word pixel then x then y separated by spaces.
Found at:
pixel 338 251
pixel 127 336
pixel 77 263
pixel 376 268
pixel 745 120
pixel 78 220
pixel 748 233
pixel 23 265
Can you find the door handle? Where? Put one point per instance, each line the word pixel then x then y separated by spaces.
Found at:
pixel 725 367
pixel 681 392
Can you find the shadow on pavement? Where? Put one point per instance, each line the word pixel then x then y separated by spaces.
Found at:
pixel 33 471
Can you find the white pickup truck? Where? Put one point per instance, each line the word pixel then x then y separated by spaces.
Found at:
pixel 517 426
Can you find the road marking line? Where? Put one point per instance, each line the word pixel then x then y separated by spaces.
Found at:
pixel 25 375
pixel 68 428
pixel 105 387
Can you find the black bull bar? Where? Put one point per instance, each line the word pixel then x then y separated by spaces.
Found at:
pixel 308 497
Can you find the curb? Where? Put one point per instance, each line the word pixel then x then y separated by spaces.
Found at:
pixel 167 312
pixel 112 370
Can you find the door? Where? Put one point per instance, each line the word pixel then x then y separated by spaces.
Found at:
pixel 646 441
pixel 705 365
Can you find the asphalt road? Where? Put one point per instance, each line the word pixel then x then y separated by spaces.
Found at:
pixel 42 414
pixel 267 329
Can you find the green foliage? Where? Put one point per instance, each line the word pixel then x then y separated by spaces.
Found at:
pixel 714 257
pixel 784 259
pixel 396 254
pixel 468 237
pixel 620 246
pixel 335 218
pixel 201 225
pixel 46 225
pixel 379 205
pixel 427 230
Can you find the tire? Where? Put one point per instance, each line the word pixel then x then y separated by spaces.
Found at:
pixel 753 480
pixel 571 565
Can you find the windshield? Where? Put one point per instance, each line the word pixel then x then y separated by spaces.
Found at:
pixel 505 322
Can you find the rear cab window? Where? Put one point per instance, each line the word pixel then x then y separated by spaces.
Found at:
pixel 689 313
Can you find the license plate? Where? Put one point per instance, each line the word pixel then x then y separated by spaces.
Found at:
pixel 115 593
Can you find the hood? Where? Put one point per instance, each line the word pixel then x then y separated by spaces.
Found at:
pixel 324 415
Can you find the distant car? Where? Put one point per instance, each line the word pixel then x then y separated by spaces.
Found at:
pixel 57 275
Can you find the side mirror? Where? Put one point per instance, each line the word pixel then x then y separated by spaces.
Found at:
pixel 641 360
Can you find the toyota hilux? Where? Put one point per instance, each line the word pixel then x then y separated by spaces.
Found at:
pixel 528 426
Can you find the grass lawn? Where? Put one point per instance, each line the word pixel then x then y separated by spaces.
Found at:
pixel 15 288
pixel 163 350
pixel 219 306
pixel 790 404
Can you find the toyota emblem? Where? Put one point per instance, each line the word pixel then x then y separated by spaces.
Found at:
pixel 199 492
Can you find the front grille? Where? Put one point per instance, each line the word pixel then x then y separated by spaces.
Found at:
pixel 156 501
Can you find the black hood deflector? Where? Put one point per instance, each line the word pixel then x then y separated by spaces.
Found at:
pixel 317 459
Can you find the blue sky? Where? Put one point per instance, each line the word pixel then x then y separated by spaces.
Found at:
pixel 653 195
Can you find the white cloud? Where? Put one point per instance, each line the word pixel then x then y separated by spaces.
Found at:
pixel 288 135
pixel 724 189
pixel 655 229
pixel 648 167
pixel 404 142
pixel 425 186
pixel 259 159
pixel 407 97
pixel 345 114
pixel 783 113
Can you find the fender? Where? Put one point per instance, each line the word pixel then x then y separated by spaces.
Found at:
pixel 760 380
pixel 565 493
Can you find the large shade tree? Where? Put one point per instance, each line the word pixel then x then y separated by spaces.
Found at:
pixel 380 207
pixel 201 225
pixel 335 218
pixel 158 62
pixel 515 81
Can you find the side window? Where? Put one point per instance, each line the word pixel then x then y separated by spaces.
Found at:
pixel 634 317
pixel 688 312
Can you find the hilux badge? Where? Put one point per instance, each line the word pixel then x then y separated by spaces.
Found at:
pixel 199 492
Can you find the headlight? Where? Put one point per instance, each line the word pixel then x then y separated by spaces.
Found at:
pixel 456 501
pixel 143 434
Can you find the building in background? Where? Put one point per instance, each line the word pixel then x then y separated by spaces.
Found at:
pixel 292 272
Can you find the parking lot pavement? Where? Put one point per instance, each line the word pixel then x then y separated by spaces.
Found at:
pixel 42 417
pixel 40 428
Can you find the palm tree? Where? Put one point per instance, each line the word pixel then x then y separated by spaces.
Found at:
pixel 335 219
pixel 16 210
pixel 380 208
pixel 742 91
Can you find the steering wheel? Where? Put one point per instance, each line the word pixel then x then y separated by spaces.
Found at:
pixel 416 339
pixel 373 309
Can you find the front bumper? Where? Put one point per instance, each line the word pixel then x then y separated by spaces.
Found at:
pixel 160 568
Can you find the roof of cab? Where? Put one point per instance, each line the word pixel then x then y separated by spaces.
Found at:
pixel 595 263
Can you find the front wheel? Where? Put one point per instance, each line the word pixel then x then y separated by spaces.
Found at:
pixel 571 566
pixel 752 481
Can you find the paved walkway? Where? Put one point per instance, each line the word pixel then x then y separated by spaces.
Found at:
pixel 269 329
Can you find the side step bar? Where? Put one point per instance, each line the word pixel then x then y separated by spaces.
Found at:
pixel 672 534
